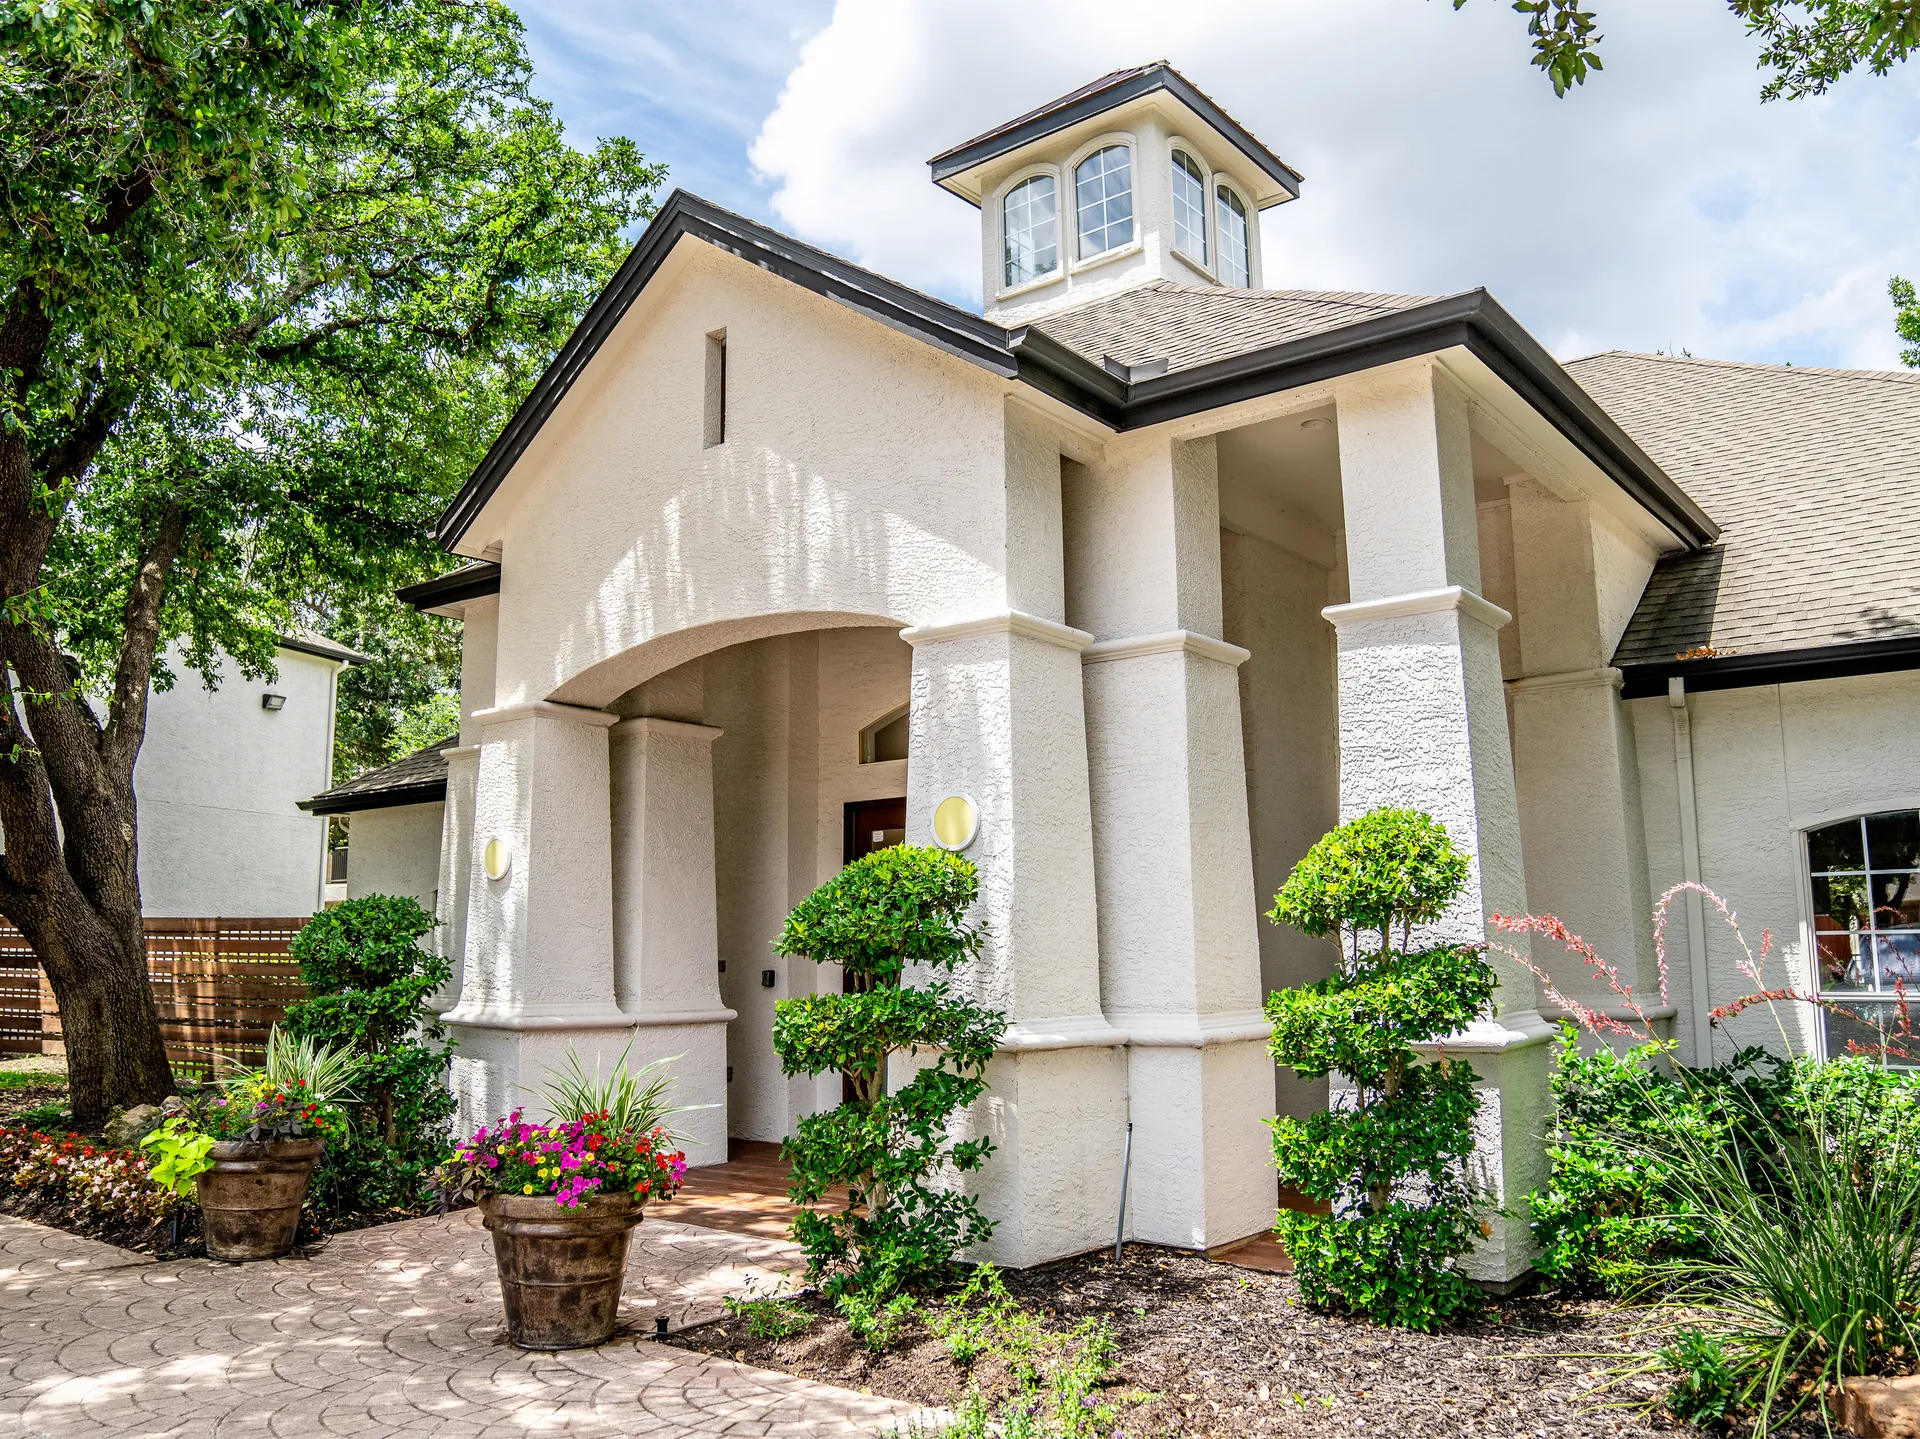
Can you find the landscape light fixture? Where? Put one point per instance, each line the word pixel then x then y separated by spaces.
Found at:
pixel 272 701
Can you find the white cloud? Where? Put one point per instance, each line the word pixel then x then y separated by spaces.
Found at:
pixel 1661 205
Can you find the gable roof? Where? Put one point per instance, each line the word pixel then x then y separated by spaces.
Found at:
pixel 1251 357
pixel 420 778
pixel 1814 476
pixel 1097 97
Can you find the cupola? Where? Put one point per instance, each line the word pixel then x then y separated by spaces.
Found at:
pixel 1134 178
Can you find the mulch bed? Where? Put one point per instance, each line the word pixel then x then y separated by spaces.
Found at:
pixel 18 1100
pixel 1227 1351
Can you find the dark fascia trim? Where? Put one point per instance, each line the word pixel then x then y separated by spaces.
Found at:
pixel 947 327
pixel 1162 76
pixel 1773 667
pixel 425 792
pixel 469 582
pixel 1473 320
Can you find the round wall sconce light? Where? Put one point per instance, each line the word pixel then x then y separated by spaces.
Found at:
pixel 498 858
pixel 955 822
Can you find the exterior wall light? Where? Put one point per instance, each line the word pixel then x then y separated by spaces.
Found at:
pixel 497 857
pixel 271 701
pixel 956 820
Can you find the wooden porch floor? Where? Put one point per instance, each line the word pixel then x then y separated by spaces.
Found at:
pixel 748 1195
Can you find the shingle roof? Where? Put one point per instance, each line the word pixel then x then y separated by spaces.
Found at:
pixel 1193 325
pixel 420 778
pixel 1814 477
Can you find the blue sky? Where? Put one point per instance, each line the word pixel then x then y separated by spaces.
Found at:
pixel 1662 206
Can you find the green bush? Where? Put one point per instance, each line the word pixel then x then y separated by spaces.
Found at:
pixel 1390 1163
pixel 367 982
pixel 905 1223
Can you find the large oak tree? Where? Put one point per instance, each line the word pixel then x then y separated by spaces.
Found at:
pixel 274 271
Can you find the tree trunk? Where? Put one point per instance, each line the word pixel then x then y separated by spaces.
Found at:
pixel 98 970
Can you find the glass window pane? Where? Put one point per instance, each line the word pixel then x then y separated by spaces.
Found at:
pixel 1840 901
pixel 1189 208
pixel 1103 194
pixel 1837 846
pixel 1029 230
pixel 1841 962
pixel 1896 901
pixel 1866 1028
pixel 1893 839
pixel 1236 265
pixel 1898 958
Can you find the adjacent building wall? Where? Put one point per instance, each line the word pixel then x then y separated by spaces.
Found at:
pixel 218 780
pixel 396 850
pixel 1769 763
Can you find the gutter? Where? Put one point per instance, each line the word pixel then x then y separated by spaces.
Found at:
pixel 1771 667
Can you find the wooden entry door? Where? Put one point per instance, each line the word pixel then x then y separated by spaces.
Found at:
pixel 874 824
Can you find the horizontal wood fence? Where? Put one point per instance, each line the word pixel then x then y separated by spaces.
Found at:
pixel 219 984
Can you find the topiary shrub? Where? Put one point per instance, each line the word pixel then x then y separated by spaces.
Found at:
pixel 1390 1160
pixel 895 907
pixel 367 984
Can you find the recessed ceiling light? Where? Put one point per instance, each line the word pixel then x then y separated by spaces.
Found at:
pixel 1318 422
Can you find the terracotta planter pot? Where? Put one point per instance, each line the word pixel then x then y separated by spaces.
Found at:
pixel 560 1269
pixel 250 1200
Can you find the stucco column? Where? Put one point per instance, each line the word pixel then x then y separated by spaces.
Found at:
pixel 1573 753
pixel 1179 953
pixel 1423 724
pixel 456 869
pixel 539 975
pixel 997 717
pixel 665 934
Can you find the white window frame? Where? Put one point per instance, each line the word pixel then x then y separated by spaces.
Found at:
pixel 1061 194
pixel 869 732
pixel 1203 263
pixel 1079 262
pixel 1221 182
pixel 1809 972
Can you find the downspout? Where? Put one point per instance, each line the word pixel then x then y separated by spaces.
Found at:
pixel 1690 867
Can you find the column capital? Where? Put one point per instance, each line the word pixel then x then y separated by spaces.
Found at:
pixel 1605 675
pixel 1006 622
pixel 673 729
pixel 1420 602
pixel 1172 642
pixel 545 709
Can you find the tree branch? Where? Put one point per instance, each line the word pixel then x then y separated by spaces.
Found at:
pixel 127 711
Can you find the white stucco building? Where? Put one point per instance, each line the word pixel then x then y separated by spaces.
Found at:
pixel 1168 568
pixel 219 779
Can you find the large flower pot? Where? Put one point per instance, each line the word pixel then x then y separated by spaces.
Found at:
pixel 560 1268
pixel 250 1200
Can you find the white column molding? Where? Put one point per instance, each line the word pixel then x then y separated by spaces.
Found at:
pixel 1455 598
pixel 1173 642
pixel 1006 622
pixel 546 709
pixel 1605 675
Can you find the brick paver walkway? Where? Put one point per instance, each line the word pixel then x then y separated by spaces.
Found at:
pixel 387 1331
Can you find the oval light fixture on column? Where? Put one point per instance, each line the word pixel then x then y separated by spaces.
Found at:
pixel 498 858
pixel 955 822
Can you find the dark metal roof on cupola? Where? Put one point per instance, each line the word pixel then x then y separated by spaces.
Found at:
pixel 1097 97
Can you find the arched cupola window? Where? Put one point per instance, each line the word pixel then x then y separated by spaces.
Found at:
pixel 1103 199
pixel 1030 230
pixel 1236 255
pixel 1189 207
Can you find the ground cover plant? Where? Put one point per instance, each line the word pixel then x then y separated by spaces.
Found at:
pixel 1201 1348
pixel 905 1221
pixel 1770 1205
pixel 1389 1160
pixel 368 982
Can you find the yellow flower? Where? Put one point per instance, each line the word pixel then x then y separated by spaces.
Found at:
pixel 526 1189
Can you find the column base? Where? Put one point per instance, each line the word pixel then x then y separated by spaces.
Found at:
pixel 1202 1164
pixel 1058 1118
pixel 1512 1059
pixel 504 1062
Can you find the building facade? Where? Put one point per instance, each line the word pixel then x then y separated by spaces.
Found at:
pixel 1164 573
